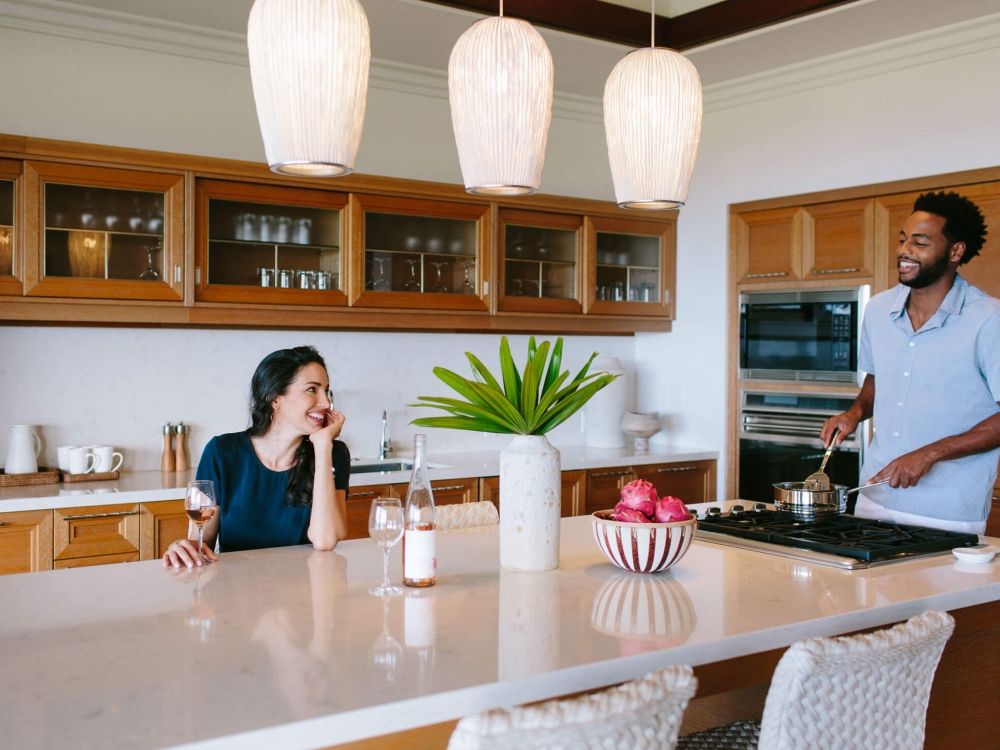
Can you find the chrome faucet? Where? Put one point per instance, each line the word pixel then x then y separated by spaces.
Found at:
pixel 386 445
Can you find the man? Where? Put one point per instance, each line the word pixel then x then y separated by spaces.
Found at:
pixel 933 345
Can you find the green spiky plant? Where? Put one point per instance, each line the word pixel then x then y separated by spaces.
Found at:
pixel 531 402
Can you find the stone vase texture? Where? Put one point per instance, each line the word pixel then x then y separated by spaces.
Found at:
pixel 531 504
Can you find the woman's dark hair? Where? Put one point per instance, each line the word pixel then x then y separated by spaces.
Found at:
pixel 963 221
pixel 271 379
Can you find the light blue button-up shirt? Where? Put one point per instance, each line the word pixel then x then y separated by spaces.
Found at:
pixel 934 383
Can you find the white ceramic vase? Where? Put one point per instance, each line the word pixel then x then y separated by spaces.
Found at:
pixel 530 505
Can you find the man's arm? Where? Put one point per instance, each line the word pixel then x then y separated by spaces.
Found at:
pixel 910 468
pixel 848 422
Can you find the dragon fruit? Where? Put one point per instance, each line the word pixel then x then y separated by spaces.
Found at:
pixel 670 509
pixel 628 515
pixel 640 495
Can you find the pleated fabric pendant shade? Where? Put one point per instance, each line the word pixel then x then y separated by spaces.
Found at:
pixel 309 64
pixel 652 119
pixel 500 78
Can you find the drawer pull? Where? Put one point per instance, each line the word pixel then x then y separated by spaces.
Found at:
pixel 680 468
pixel 772 274
pixel 610 473
pixel 835 270
pixel 449 487
pixel 102 515
pixel 361 494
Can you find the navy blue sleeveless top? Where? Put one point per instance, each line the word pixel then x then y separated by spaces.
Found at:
pixel 253 513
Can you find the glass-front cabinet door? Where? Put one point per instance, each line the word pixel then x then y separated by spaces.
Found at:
pixel 10 270
pixel 258 243
pixel 106 233
pixel 630 267
pixel 539 268
pixel 419 254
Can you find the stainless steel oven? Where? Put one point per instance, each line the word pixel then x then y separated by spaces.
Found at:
pixel 809 335
pixel 779 441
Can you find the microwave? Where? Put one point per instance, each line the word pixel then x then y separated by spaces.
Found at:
pixel 802 336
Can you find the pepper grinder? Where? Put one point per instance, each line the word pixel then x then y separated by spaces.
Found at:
pixel 167 462
pixel 183 462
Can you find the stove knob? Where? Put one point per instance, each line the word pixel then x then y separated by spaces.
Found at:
pixel 759 508
pixel 713 513
pixel 737 510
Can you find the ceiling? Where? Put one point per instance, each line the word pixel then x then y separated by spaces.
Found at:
pixel 418 33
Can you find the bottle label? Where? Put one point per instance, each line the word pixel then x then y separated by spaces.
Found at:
pixel 420 560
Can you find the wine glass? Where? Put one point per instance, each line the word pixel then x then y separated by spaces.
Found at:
pixel 413 284
pixel 516 288
pixel 200 506
pixel 440 287
pixel 385 526
pixel 150 274
pixel 467 286
pixel 380 284
pixel 531 287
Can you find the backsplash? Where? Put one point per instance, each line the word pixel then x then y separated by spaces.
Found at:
pixel 118 386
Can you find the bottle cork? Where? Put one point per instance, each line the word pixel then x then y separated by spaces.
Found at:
pixel 182 460
pixel 167 463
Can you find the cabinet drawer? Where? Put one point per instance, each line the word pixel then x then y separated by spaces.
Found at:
pixel 489 489
pixel 691 481
pixel 446 491
pixel 574 492
pixel 359 503
pixel 161 524
pixel 25 541
pixel 604 487
pixel 86 562
pixel 97 530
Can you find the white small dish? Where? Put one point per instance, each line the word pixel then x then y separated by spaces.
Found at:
pixel 981 553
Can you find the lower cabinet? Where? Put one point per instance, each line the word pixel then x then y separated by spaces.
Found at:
pixel 160 524
pixel 359 502
pixel 107 531
pixel 25 541
pixel 446 492
pixel 604 487
pixel 692 482
pixel 993 519
pixel 574 492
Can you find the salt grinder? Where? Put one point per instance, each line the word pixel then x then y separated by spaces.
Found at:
pixel 167 462
pixel 183 462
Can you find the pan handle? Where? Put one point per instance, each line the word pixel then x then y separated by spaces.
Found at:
pixel 866 486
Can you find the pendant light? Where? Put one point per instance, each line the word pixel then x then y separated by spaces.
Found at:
pixel 652 119
pixel 309 68
pixel 500 78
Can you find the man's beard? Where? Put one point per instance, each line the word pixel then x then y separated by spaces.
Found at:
pixel 927 275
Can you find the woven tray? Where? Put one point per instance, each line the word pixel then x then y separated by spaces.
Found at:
pixel 101 476
pixel 44 475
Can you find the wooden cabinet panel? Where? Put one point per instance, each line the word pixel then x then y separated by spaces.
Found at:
pixel 539 262
pixel 11 228
pixel 604 487
pixel 161 524
pixel 446 491
pixel 838 239
pixel 86 562
pixel 574 493
pixel 95 530
pixel 489 490
pixel 692 482
pixel 359 503
pixel 769 245
pixel 25 541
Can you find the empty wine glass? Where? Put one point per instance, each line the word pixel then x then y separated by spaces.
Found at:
pixel 380 284
pixel 385 526
pixel 413 284
pixel 386 654
pixel 200 506
pixel 440 287
pixel 467 286
pixel 150 274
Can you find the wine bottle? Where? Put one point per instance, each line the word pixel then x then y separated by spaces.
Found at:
pixel 419 543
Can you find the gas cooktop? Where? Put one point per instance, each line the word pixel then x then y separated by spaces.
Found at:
pixel 844 541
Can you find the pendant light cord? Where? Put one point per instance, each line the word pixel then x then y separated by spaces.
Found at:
pixel 652 21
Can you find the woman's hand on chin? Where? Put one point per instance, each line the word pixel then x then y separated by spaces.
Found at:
pixel 326 436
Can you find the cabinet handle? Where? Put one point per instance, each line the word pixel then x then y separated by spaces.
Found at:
pixel 362 494
pixel 448 487
pixel 835 270
pixel 177 275
pixel 197 275
pixel 765 275
pixel 610 473
pixel 102 515
pixel 680 468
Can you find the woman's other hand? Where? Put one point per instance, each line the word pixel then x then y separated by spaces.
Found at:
pixel 184 553
pixel 329 433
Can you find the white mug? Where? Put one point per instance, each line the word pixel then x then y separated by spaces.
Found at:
pixel 81 461
pixel 63 453
pixel 106 459
pixel 23 447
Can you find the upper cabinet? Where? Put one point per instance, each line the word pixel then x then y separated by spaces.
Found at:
pixel 630 267
pixel 103 233
pixel 419 254
pixel 815 242
pixel 10 273
pixel 539 266
pixel 258 243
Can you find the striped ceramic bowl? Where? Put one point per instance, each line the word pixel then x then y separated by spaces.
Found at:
pixel 643 547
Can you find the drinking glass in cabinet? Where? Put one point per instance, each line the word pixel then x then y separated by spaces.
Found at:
pixel 6 227
pixel 295 243
pixel 419 254
pixel 103 233
pixel 628 267
pixel 540 262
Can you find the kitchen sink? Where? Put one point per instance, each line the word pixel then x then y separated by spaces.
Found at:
pixel 383 466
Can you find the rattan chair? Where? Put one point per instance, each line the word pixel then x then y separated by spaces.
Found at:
pixel 639 715
pixel 854 693
pixel 466 515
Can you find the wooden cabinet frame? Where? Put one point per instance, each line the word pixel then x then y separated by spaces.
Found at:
pixel 786 266
pixel 812 265
pixel 537 304
pixel 27 532
pixel 666 231
pixel 14 284
pixel 96 531
pixel 37 174
pixel 206 190
pixel 160 524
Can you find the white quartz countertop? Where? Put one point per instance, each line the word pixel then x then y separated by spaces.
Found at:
pixel 286 648
pixel 150 486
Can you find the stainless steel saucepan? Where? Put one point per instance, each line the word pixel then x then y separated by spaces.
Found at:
pixel 807 504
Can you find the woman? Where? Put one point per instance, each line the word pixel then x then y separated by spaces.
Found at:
pixel 284 480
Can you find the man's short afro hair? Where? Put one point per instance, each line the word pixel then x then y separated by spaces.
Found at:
pixel 963 221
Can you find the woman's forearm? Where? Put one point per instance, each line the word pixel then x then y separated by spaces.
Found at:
pixel 328 520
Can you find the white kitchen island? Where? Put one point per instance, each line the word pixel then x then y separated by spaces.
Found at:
pixel 285 648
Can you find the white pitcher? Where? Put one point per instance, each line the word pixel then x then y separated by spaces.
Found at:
pixel 23 447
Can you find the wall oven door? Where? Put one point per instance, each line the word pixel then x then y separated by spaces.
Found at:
pixel 779 442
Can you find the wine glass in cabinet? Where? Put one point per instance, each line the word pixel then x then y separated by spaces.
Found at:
pixel 538 265
pixel 268 244
pixel 419 254
pixel 11 272
pixel 630 266
pixel 104 233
